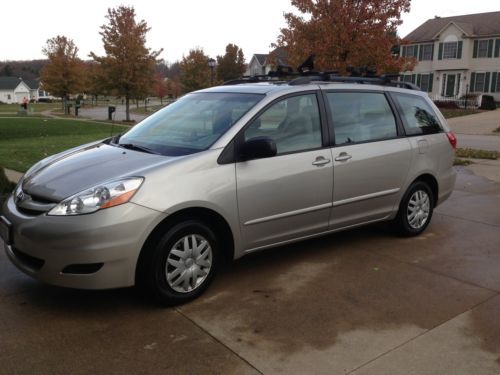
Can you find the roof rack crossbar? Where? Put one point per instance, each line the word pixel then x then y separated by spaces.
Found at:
pixel 306 74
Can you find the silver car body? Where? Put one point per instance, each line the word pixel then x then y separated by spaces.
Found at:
pixel 264 202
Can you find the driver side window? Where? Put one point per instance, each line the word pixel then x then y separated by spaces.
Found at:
pixel 293 123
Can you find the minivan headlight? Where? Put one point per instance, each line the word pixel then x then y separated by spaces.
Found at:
pixel 106 195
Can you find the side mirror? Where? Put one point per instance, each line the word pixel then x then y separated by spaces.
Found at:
pixel 257 148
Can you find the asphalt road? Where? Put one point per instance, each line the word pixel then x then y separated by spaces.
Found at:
pixel 357 302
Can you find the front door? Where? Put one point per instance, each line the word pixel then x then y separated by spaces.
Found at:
pixel 450 84
pixel 289 195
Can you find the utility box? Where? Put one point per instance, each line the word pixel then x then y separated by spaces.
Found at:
pixel 111 110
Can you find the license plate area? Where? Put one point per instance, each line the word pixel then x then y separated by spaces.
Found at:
pixel 5 230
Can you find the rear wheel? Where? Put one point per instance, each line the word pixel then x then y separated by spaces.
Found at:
pixel 180 264
pixel 415 210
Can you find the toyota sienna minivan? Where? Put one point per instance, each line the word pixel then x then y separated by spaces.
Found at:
pixel 224 172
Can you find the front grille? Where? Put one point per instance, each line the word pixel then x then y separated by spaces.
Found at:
pixel 28 260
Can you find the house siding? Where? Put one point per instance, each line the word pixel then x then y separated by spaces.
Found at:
pixel 462 68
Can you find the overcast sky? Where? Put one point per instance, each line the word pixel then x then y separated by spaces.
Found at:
pixel 177 26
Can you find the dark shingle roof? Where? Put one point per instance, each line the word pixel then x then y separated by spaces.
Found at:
pixel 33 84
pixel 280 54
pixel 9 83
pixel 480 24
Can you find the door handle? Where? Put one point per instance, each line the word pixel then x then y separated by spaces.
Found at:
pixel 320 161
pixel 343 156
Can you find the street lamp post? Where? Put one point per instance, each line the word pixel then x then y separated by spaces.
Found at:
pixel 211 64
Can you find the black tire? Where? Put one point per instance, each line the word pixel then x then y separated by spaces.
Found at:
pixel 152 266
pixel 402 221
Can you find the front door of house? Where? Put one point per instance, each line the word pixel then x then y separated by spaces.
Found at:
pixel 450 84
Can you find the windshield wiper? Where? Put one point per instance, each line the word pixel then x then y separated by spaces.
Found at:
pixel 131 146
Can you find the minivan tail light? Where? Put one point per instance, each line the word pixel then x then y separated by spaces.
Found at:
pixel 452 139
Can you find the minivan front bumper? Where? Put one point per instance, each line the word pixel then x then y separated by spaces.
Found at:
pixel 94 251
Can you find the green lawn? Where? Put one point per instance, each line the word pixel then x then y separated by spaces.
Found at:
pixel 24 141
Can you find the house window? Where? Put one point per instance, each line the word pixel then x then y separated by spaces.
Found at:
pixel 497 88
pixel 424 82
pixel 426 52
pixel 482 48
pixel 9 97
pixel 480 81
pixel 411 51
pixel 450 50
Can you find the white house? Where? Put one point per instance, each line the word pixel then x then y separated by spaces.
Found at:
pixel 261 64
pixel 13 90
pixel 35 90
pixel 456 55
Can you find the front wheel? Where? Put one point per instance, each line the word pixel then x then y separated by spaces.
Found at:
pixel 181 264
pixel 415 210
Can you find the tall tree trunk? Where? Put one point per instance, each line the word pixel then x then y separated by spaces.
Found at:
pixel 127 108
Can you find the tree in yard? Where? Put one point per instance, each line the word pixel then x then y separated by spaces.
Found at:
pixel 195 72
pixel 128 67
pixel 341 33
pixel 160 88
pixel 64 74
pixel 232 64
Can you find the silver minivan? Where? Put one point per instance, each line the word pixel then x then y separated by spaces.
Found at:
pixel 224 172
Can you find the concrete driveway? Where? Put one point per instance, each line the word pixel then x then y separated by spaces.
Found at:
pixel 358 302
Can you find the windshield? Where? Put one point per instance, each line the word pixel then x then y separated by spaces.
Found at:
pixel 191 124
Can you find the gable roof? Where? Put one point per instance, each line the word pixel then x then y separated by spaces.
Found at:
pixel 33 84
pixel 9 83
pixel 479 24
pixel 279 52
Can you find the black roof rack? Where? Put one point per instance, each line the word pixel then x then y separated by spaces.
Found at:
pixel 306 74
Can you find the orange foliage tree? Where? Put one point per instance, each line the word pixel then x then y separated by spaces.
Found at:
pixel 195 72
pixel 64 74
pixel 128 67
pixel 344 33
pixel 232 64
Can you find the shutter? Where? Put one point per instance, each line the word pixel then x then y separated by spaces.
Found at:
pixel 487 82
pixel 494 82
pixel 476 46
pixel 413 78
pixel 440 53
pixel 472 82
pixel 420 52
pixel 490 48
pixel 404 51
pixel 497 48
pixel 431 81
pixel 459 50
pixel 418 80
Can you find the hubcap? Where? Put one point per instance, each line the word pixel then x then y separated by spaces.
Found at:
pixel 418 209
pixel 188 263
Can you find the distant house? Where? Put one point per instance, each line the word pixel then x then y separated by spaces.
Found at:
pixel 456 55
pixel 13 90
pixel 261 64
pixel 35 89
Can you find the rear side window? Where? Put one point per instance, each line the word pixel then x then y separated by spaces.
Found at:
pixel 418 116
pixel 361 117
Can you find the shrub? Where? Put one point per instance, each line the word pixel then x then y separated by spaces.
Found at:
pixel 446 104
pixel 488 102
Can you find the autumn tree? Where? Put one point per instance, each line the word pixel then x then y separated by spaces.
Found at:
pixel 340 33
pixel 64 74
pixel 160 88
pixel 232 64
pixel 128 67
pixel 195 72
